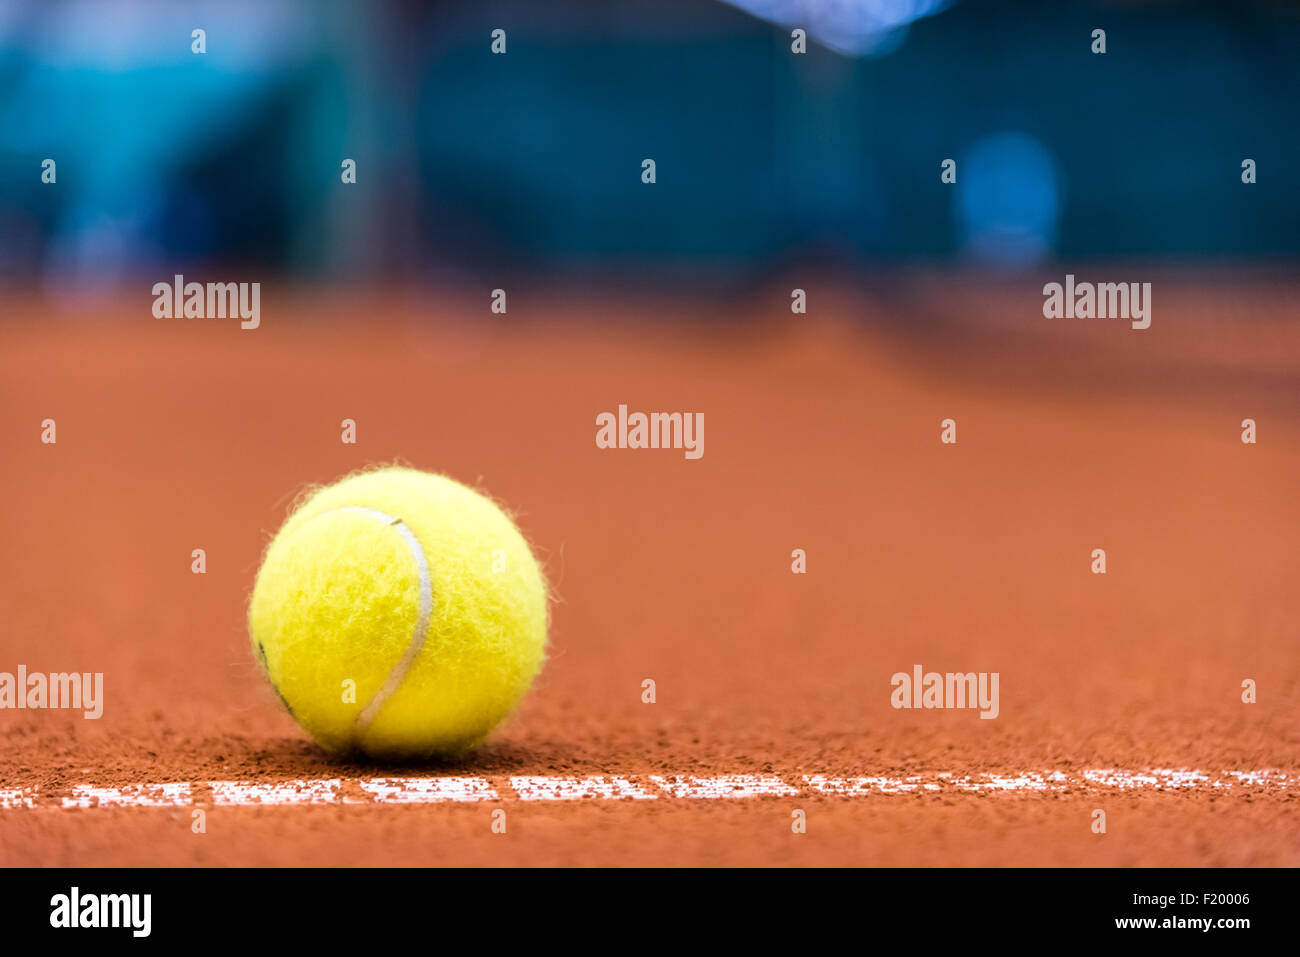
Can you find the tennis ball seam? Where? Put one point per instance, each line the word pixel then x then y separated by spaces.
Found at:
pixel 421 631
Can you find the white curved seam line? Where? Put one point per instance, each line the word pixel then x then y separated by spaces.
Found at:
pixel 403 667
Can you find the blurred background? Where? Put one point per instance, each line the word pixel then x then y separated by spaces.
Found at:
pixel 775 171
pixel 469 162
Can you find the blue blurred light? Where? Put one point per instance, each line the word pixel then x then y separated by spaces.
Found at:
pixel 1008 200
pixel 858 27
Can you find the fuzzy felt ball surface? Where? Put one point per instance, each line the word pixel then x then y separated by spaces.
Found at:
pixel 399 614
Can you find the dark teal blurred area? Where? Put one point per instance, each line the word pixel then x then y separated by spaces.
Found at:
pixel 469 161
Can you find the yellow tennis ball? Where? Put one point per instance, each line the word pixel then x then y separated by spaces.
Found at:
pixel 400 614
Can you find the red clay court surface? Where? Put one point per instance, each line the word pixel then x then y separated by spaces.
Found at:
pixel 1120 692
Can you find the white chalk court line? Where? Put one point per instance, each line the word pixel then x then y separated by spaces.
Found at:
pixel 631 787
